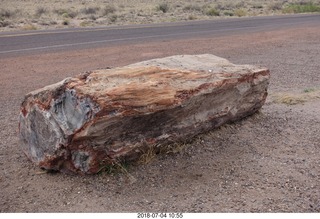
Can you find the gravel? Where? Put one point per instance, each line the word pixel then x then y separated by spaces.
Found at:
pixel 268 162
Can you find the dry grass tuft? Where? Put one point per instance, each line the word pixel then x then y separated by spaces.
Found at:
pixel 148 155
pixel 109 9
pixel 90 10
pixel 192 17
pixel 118 168
pixel 164 7
pixel 151 152
pixel 275 6
pixel 66 13
pixel 240 12
pixel 40 11
pixel 192 7
pixel 174 148
pixel 290 99
pixel 7 13
pixel 212 12
pixel 29 27
pixel 297 98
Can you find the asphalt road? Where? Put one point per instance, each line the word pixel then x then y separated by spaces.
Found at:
pixel 14 43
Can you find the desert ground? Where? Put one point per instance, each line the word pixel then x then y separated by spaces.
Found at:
pixel 47 14
pixel 268 162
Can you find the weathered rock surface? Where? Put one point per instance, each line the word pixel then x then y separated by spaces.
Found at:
pixel 84 123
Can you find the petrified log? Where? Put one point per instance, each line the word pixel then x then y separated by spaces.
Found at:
pixel 81 124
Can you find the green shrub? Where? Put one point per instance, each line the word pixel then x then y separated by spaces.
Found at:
pixel 275 6
pixel 308 90
pixel 40 11
pixel 229 6
pixel 224 6
pixel 66 13
pixel 113 18
pixel 92 17
pixel 84 24
pixel 257 6
pixel 192 8
pixel 53 22
pixel 109 9
pixel 90 10
pixel 29 27
pixel 301 8
pixel 240 12
pixel 228 13
pixel 4 23
pixel 60 11
pixel 65 22
pixel 164 7
pixel 192 17
pixel 241 4
pixel 212 12
pixel 6 13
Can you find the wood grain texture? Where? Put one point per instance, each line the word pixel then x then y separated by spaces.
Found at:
pixel 95 119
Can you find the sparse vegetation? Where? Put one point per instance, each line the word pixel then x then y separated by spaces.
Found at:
pixel 109 9
pixel 240 12
pixel 90 10
pixel 212 12
pixel 257 6
pixel 117 168
pixel 175 148
pixel 301 8
pixel 114 168
pixel 240 4
pixel 6 13
pixel 147 156
pixel 66 13
pixel 290 99
pixel 92 17
pixel 29 27
pixel 164 7
pixel 151 152
pixel 85 24
pixel 297 98
pixel 192 7
pixel 65 22
pixel 228 13
pixel 192 17
pixel 40 11
pixel 275 6
pixel 308 90
pixel 4 23
pixel 113 18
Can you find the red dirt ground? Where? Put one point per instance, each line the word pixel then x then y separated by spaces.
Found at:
pixel 268 162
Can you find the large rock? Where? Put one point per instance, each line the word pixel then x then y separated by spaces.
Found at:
pixel 84 123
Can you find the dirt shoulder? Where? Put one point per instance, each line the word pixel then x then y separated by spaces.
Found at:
pixel 268 162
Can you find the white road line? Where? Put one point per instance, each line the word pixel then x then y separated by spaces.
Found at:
pixel 86 30
pixel 116 40
pixel 136 38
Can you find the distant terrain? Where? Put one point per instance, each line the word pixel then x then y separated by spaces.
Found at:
pixel 47 14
